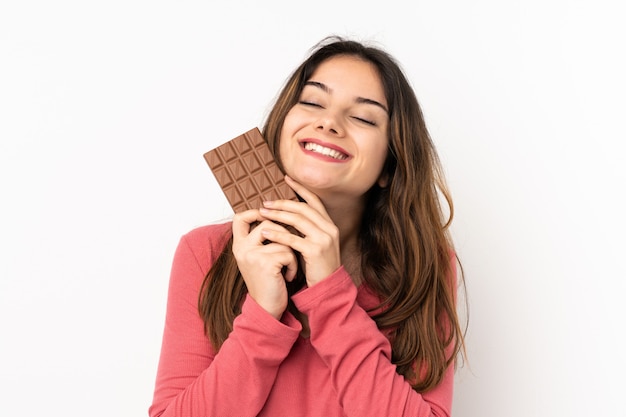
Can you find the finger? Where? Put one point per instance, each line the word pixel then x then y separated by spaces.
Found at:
pixel 284 256
pixel 290 267
pixel 242 222
pixel 298 215
pixel 311 199
pixel 320 253
pixel 255 237
pixel 285 239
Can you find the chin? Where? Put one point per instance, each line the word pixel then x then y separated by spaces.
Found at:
pixel 312 180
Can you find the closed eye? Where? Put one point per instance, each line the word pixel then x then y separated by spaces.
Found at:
pixel 369 122
pixel 309 103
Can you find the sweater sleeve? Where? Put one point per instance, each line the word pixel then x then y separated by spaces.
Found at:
pixel 359 356
pixel 192 380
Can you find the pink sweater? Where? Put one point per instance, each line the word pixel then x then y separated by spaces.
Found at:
pixel 265 368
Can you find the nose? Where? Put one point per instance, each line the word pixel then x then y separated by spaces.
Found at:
pixel 330 123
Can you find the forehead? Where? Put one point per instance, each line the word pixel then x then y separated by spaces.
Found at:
pixel 352 75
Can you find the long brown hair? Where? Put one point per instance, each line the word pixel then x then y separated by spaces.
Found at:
pixel 407 253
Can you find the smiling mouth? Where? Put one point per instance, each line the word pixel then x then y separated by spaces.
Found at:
pixel 322 150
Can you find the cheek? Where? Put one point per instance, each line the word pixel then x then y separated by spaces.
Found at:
pixel 291 125
pixel 293 120
pixel 379 153
pixel 284 151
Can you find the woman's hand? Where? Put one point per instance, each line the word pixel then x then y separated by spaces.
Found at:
pixel 319 245
pixel 264 267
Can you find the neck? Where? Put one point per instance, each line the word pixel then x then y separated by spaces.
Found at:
pixel 347 218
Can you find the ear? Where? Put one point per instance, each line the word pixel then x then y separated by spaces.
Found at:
pixel 383 180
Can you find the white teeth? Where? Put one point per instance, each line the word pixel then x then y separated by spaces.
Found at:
pixel 314 147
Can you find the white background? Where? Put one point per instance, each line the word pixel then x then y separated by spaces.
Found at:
pixel 107 107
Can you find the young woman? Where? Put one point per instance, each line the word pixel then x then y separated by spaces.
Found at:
pixel 353 315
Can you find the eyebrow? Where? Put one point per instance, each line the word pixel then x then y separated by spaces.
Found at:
pixel 363 100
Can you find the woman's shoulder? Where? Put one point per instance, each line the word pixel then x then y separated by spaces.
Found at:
pixel 207 242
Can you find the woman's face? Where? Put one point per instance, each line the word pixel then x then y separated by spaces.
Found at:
pixel 334 140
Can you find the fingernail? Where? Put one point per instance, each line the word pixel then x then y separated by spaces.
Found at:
pixel 268 203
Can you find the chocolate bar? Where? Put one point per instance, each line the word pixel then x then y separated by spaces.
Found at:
pixel 247 172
